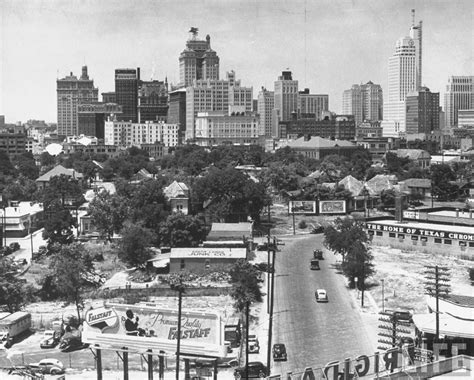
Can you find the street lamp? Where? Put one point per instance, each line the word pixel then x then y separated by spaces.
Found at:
pixel 178 286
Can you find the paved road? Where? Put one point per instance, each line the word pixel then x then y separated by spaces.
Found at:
pixel 314 333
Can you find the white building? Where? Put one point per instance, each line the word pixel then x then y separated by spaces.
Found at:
pixel 364 101
pixel 312 103
pixel 459 96
pixel 134 134
pixel 286 95
pixel 265 105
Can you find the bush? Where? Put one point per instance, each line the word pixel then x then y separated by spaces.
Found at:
pixel 14 246
pixel 471 274
pixel 302 224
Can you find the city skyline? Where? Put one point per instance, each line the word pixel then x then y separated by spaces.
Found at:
pixel 328 45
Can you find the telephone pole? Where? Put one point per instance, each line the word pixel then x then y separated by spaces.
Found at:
pixel 436 285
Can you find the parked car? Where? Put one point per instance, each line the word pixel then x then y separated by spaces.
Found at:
pixel 255 369
pixel 279 352
pixel 321 295
pixel 48 366
pixel 317 229
pixel 51 339
pixel 314 264
pixel 318 254
pixel 254 345
pixel 401 315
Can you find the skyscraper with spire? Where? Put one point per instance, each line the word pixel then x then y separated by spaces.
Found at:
pixel 404 77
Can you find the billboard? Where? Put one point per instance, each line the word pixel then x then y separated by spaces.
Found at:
pixel 143 327
pixel 302 207
pixel 332 207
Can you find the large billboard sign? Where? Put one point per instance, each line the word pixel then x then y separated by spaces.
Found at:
pixel 144 328
pixel 424 232
pixel 302 207
pixel 332 207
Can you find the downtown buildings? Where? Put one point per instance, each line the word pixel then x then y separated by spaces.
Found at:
pixel 459 96
pixel 364 101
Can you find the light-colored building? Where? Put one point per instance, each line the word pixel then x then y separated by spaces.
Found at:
pixel 312 104
pixel 71 92
pixel 266 103
pixel 286 95
pixel 459 96
pixel 364 101
pixel 21 218
pixel 316 147
pixel 215 128
pixel 178 195
pixel 134 134
pixel 466 118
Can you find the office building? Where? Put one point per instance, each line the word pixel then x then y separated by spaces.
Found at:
pixel 422 112
pixel 364 101
pixel 91 117
pixel 265 105
pixel 466 118
pixel 459 96
pixel 197 60
pixel 109 97
pixel 124 133
pixel 312 104
pixel 286 95
pixel 177 110
pixel 152 101
pixel 404 75
pixel 126 93
pixel 416 34
pixel 71 92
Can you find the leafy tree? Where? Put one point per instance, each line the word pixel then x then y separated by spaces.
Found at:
pixel 280 177
pixel 47 160
pixel 441 175
pixel 348 238
pixel 335 167
pixel 135 244
pixel 21 189
pixel 26 165
pixel 395 164
pixel 359 163
pixel 62 189
pixel 387 198
pixel 108 213
pixel 58 225
pixel 6 167
pixel 68 266
pixel 12 292
pixel 181 230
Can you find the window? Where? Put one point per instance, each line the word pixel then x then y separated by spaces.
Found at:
pixel 391 234
pixel 379 233
pixel 182 264
pixel 462 243
pixel 414 238
pixel 207 264
pixel 448 241
pixel 401 236
pixel 438 241
pixel 471 244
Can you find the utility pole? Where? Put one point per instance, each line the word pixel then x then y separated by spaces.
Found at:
pixel 247 306
pixel 437 284
pixel 268 271
pixel 179 286
pixel 270 324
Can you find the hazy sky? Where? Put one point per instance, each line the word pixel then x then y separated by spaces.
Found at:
pixel 327 44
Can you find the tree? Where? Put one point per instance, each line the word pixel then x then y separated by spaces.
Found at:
pixel 62 189
pixel 58 225
pixel 348 238
pixel 108 213
pixel 21 189
pixel 26 165
pixel 68 266
pixel 181 230
pixel 280 177
pixel 442 188
pixel 359 162
pixel 395 164
pixel 135 244
pixel 12 292
pixel 6 167
pixel 387 198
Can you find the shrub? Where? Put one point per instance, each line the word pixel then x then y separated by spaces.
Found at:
pixel 302 224
pixel 15 246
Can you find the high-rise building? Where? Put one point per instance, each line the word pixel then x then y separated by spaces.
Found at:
pixel 152 100
pixel 422 112
pixel 266 103
pixel 404 77
pixel 91 117
pixel 108 97
pixel 198 60
pixel 71 92
pixel 364 101
pixel 177 110
pixel 126 93
pixel 459 96
pixel 128 134
pixel 312 104
pixel 286 95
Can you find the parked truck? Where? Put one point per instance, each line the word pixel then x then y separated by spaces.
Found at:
pixel 233 331
pixel 13 326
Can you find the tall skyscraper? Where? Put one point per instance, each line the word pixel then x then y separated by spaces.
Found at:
pixel 265 105
pixel 364 101
pixel 198 60
pixel 404 76
pixel 152 100
pixel 422 112
pixel 312 104
pixel 71 92
pixel 126 93
pixel 459 96
pixel 286 95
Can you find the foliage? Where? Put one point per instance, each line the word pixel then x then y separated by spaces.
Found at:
pixel 135 244
pixel 68 266
pixel 334 168
pixel 359 163
pixel 348 238
pixel 181 230
pixel 20 189
pixel 302 224
pixel 191 158
pixel 58 224
pixel 108 213
pixel 442 189
pixel 61 190
pixel 387 198
pixel 280 177
pixel 6 167
pixel 12 289
pixel 244 278
pixel 26 165
pixel 47 160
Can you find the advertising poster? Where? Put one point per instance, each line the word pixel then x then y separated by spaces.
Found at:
pixel 302 207
pixel 332 207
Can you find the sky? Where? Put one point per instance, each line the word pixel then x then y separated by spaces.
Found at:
pixel 329 45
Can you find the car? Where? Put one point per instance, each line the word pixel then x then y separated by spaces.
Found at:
pixel 321 295
pixel 279 352
pixel 50 339
pixel 48 367
pixel 254 345
pixel 255 369
pixel 401 315
pixel 314 264
pixel 318 254
pixel 317 229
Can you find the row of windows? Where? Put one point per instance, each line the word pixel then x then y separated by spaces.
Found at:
pixel 422 238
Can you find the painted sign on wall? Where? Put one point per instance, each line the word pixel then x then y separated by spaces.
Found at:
pixel 332 207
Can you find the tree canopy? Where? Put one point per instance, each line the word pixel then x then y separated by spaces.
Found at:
pixel 181 230
pixel 245 281
pixel 135 244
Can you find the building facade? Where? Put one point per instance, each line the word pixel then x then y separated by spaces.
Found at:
pixel 197 60
pixel 312 104
pixel 286 95
pixel 128 134
pixel 177 110
pixel 91 117
pixel 72 92
pixel 152 101
pixel 13 144
pixel 459 96
pixel 422 111
pixel 265 105
pixel 466 118
pixel 126 93
pixel 318 147
pixel 364 101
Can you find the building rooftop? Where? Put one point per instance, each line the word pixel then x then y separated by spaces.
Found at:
pixel 57 171
pixel 319 142
pixel 465 230
pixel 211 253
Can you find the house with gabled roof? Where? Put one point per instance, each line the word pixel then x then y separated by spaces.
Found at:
pixel 178 195
pixel 57 171
pixel 421 157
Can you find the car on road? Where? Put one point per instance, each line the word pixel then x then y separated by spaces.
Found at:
pixel 50 339
pixel 321 295
pixel 255 369
pixel 314 264
pixel 401 315
pixel 48 367
pixel 279 352
pixel 254 346
pixel 318 254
